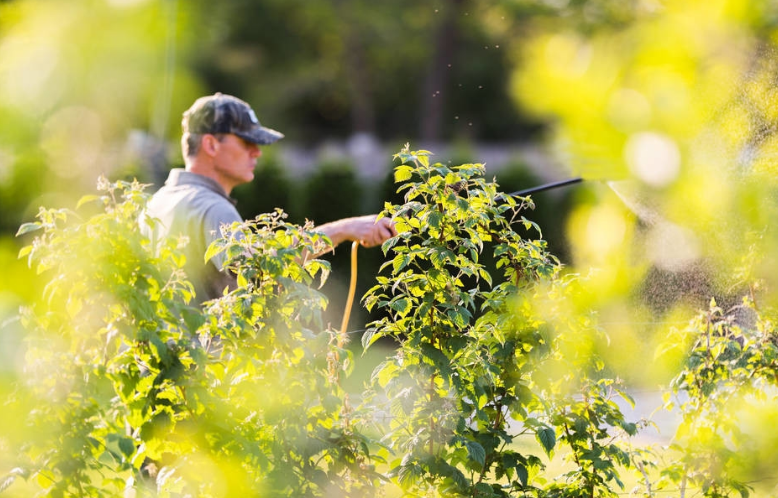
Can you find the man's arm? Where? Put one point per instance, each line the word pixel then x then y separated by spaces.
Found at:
pixel 364 229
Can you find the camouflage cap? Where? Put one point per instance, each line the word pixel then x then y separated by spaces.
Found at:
pixel 220 113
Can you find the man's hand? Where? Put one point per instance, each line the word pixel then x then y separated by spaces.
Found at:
pixel 371 232
pixel 365 229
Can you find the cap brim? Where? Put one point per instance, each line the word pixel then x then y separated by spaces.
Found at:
pixel 261 135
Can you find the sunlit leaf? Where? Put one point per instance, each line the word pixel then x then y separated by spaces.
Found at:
pixel 399 262
pixel 402 173
pixel 87 199
pixel 27 228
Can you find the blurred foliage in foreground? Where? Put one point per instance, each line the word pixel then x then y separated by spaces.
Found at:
pixel 671 113
pixel 132 389
pixel 126 389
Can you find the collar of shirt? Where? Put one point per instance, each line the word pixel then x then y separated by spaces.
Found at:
pixel 180 176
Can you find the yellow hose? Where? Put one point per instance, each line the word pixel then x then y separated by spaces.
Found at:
pixel 352 289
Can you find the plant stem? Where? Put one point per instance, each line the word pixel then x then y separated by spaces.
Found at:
pixel 432 384
pixel 642 469
pixel 570 442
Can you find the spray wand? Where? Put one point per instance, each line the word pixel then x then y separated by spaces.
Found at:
pixel 547 186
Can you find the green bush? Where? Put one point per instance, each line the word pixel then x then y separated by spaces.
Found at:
pixel 481 364
pixel 127 389
pixel 135 389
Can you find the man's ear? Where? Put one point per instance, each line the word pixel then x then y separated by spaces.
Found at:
pixel 209 144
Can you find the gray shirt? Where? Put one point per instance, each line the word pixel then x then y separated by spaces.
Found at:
pixel 195 206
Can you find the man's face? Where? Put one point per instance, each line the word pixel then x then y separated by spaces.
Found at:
pixel 235 160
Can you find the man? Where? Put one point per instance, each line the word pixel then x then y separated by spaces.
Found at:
pixel 220 144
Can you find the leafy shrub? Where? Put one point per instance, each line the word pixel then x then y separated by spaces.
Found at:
pixel 726 395
pixel 135 389
pixel 137 392
pixel 476 370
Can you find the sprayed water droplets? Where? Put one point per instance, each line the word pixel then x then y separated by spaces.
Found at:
pixel 672 247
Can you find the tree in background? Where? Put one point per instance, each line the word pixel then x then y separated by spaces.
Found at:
pixel 397 70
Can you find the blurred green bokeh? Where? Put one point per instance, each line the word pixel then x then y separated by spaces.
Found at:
pixel 672 116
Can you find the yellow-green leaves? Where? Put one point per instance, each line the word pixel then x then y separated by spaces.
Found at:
pixel 419 157
pixel 122 370
pixel 467 352
pixel 402 173
pixel 727 383
pixel 249 385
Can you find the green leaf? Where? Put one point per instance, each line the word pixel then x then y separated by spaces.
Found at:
pixel 408 475
pixel 160 348
pixel 28 227
pixel 437 357
pixel 523 474
pixel 85 199
pixel 192 318
pixel 460 316
pixel 476 452
pixel 742 488
pixel 384 372
pixel 547 438
pixel 484 489
pixel 369 337
pixel 441 256
pixel 388 244
pixel 402 173
pixel 127 446
pixel 24 251
pixel 630 428
pixel 11 477
pixel 486 276
pixel 400 261
pixel 402 306
pixel 434 219
pixel 626 397
pixel 213 249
